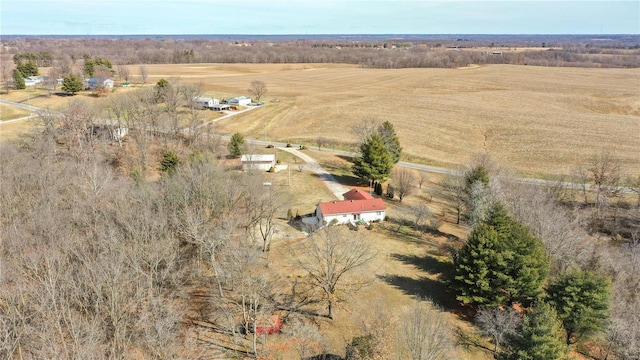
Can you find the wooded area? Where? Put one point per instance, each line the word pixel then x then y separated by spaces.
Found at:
pixel 428 52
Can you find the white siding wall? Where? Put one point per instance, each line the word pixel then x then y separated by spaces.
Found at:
pixel 347 218
pixel 257 166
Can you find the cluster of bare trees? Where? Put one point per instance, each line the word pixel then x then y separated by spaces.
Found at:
pixel 440 53
pixel 96 260
pixel 99 264
pixel 89 264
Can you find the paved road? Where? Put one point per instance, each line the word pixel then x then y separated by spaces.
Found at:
pixel 19 105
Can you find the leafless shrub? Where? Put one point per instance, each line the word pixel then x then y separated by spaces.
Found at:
pixel 498 324
pixel 424 333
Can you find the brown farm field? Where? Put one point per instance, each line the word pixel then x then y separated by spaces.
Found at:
pixel 538 120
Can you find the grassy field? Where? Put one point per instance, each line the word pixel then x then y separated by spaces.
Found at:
pixel 538 120
pixel 9 112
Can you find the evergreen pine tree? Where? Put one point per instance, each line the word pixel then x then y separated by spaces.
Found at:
pixel 236 145
pixel 374 162
pixel 169 162
pixel 391 140
pixel 72 84
pixel 28 69
pixel 378 189
pixel 18 80
pixel 89 66
pixel 501 263
pixel 540 338
pixel 582 300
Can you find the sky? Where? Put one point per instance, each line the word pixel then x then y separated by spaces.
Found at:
pixel 280 17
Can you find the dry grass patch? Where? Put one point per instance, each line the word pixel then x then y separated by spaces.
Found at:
pixel 9 112
pixel 16 131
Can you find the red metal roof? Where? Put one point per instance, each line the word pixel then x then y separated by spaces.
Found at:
pixel 355 194
pixel 351 206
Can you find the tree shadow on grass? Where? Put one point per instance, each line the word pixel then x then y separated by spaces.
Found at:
pixel 428 264
pixel 434 290
pixel 437 290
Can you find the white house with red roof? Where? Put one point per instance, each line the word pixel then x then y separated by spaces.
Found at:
pixel 357 206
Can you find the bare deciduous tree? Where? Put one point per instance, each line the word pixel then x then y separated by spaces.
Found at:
pixel 144 73
pixel 321 141
pixel 404 182
pixel 123 72
pixel 306 337
pixel 194 110
pixel 420 212
pixel 498 324
pixel 329 257
pixel 422 178
pixel 478 201
pixel 258 89
pixel 425 333
pixel 456 193
pixel 5 74
pixel 604 174
pixel 633 184
pixel 561 230
pixel 364 129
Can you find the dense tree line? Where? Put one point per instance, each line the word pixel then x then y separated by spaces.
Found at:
pixel 367 53
pixel 42 58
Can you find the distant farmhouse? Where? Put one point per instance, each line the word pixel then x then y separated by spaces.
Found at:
pixel 240 101
pixel 33 80
pixel 357 207
pixel 99 83
pixel 206 102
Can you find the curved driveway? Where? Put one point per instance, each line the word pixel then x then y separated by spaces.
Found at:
pixel 332 183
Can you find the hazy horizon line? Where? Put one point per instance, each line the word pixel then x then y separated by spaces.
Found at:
pixel 338 34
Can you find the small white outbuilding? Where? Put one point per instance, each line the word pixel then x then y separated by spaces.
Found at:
pixel 240 101
pixel 258 162
pixel 206 102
